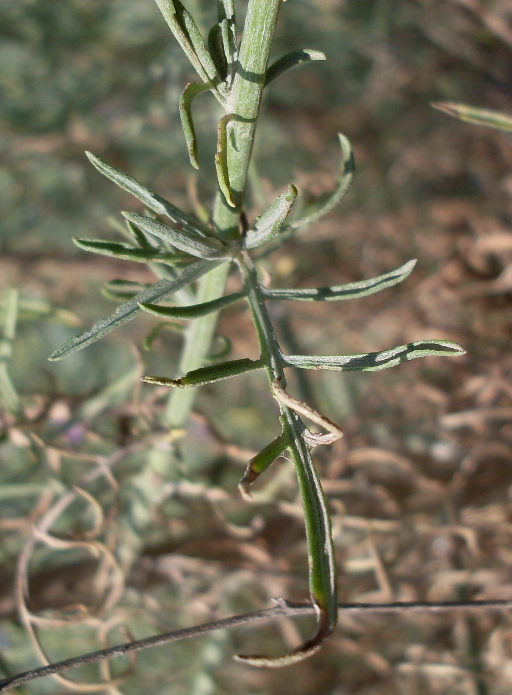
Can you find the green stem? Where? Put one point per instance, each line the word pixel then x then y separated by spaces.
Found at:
pixel 322 570
pixel 244 103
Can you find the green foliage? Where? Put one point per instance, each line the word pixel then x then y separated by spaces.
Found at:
pixel 216 63
pixel 240 98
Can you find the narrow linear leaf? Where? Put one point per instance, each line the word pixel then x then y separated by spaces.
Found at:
pixel 207 375
pixel 271 222
pixel 226 17
pixel 291 60
pixel 216 49
pixel 123 289
pixel 130 309
pixel 223 350
pixel 321 559
pixel 226 10
pixel 321 207
pixel 472 114
pixel 228 35
pixel 8 394
pixel 195 311
pixel 259 464
pixel 193 244
pixel 153 334
pixel 185 105
pixel 352 290
pixel 151 200
pixel 221 160
pixel 129 253
pixel 138 235
pixel 189 37
pixel 374 361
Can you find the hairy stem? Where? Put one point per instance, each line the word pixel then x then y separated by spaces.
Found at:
pixel 244 104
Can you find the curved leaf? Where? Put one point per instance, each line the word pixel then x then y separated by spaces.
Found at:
pixel 130 309
pixel 151 200
pixel 292 60
pixel 221 161
pixel 129 253
pixel 226 15
pixel 259 464
pixel 375 361
pixel 156 330
pixel 185 106
pixel 321 207
pixel 270 223
pixel 123 289
pixel 196 310
pixel 189 37
pixel 352 290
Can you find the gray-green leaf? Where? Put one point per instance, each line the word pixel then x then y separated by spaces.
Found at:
pixel 151 200
pixel 129 253
pixel 130 309
pixel 196 310
pixel 221 160
pixel 8 394
pixel 189 37
pixel 352 290
pixel 375 361
pixel 259 463
pixel 321 207
pixel 291 60
pixel 271 222
pixel 185 106
pixel 190 242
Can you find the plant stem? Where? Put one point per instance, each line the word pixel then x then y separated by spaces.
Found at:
pixel 322 571
pixel 244 104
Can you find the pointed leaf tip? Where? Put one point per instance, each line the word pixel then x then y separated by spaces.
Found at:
pixel 185 241
pixel 321 207
pixel 375 361
pixel 352 290
pixel 125 312
pixel 272 221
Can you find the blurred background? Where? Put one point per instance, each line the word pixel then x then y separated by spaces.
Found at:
pixel 151 537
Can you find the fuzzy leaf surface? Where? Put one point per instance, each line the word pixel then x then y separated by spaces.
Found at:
pixel 151 200
pixel 292 60
pixel 196 310
pixel 352 290
pixel 190 243
pixel 127 252
pixel 189 37
pixel 321 207
pixel 130 309
pixel 271 222
pixel 375 361
pixel 188 95
pixel 207 375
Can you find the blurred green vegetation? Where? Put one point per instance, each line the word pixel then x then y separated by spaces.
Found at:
pixel 105 76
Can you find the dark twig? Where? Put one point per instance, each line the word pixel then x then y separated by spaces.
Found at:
pixel 282 608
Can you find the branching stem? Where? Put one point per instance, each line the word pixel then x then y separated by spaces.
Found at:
pixel 244 104
pixel 318 526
